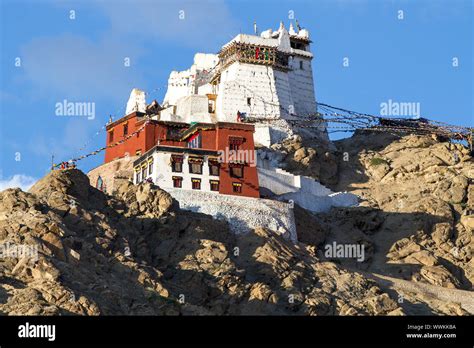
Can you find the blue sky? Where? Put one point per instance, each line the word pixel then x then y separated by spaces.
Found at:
pixel 82 59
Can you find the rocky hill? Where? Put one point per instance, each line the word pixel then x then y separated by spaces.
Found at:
pixel 137 253
pixel 415 217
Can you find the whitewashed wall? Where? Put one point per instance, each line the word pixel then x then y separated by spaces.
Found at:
pixel 193 108
pixel 163 175
pixel 240 81
pixel 302 86
pixel 186 82
pixel 242 213
pixel 305 191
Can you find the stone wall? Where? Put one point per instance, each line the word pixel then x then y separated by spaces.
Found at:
pixel 242 213
pixel 112 172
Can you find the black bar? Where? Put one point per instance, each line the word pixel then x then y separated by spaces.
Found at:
pixel 209 330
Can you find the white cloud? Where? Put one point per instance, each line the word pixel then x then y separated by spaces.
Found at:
pixel 18 180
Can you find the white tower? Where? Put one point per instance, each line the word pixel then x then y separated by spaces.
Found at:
pixel 136 102
pixel 268 78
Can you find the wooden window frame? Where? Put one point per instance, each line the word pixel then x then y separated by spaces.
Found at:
pixel 177 160
pixel 177 179
pixel 232 173
pixel 214 165
pixel 214 182
pixel 236 187
pixel 196 181
pixel 125 129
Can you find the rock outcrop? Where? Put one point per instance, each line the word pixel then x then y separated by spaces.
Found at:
pixel 415 218
pixel 137 253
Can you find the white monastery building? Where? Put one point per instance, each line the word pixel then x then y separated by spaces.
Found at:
pixel 257 91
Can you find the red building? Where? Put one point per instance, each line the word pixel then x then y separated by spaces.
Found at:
pixel 224 152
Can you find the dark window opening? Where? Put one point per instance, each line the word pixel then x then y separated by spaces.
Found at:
pixel 177 181
pixel 195 165
pixel 214 168
pixel 212 106
pixel 214 185
pixel 177 167
pixel 125 129
pixel 173 133
pixel 235 143
pixel 301 64
pixel 249 101
pixel 298 45
pixel 100 184
pixel 177 164
pixel 111 136
pixel 196 184
pixel 195 168
pixel 237 187
pixel 237 170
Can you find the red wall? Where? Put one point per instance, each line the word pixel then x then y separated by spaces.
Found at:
pixel 249 181
pixel 211 139
pixel 143 141
pixel 134 143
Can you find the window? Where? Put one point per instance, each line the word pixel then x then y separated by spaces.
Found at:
pixel 173 133
pixel 196 183
pixel 138 152
pixel 195 141
pixel 249 101
pixel 195 165
pixel 177 181
pixel 301 64
pixel 214 185
pixel 150 166
pixel 125 129
pixel 99 184
pixel 111 136
pixel 138 177
pixel 212 106
pixel 236 170
pixel 298 45
pixel 235 143
pixel 237 187
pixel 144 174
pixel 177 164
pixel 195 168
pixel 214 167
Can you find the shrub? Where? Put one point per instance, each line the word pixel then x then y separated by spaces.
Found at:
pixel 377 161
